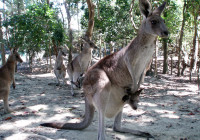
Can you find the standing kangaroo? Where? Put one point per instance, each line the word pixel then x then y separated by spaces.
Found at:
pixel 59 68
pixel 105 84
pixel 79 65
pixel 7 73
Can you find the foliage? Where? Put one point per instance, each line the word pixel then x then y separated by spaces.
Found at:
pixel 112 19
pixel 34 30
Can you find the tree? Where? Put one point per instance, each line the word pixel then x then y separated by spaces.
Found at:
pixel 194 9
pixel 172 19
pixel 34 30
pixel 91 8
pixel 181 37
pixel 68 7
pixel 2 44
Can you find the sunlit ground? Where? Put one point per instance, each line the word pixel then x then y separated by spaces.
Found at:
pixel 168 109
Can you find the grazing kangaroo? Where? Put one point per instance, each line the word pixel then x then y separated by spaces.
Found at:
pixel 106 82
pixel 59 69
pixel 7 73
pixel 79 65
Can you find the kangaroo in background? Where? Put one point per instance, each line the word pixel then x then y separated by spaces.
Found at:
pixel 79 65
pixel 115 80
pixel 59 68
pixel 7 73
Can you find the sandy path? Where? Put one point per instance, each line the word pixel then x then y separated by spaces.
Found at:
pixel 169 110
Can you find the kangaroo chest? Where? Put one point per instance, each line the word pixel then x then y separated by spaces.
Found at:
pixel 143 58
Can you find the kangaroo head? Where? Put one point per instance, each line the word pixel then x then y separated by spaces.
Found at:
pixel 14 56
pixel 61 52
pixel 132 98
pixel 89 43
pixel 153 23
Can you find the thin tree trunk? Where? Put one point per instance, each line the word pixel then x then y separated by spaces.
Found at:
pixel 194 50
pixel 63 20
pixel 67 8
pixel 165 61
pixel 91 8
pixel 181 40
pixel 7 31
pixel 156 59
pixel 131 16
pixel 100 53
pixel 48 2
pixel 77 10
pixel 171 64
pixel 55 48
pixel 2 45
pixel 50 66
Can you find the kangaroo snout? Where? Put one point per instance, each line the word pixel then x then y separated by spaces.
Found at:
pixel 165 34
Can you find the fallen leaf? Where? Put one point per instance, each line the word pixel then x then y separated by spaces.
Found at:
pixel 8 118
pixel 191 113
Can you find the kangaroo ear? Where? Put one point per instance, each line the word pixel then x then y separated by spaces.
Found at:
pixel 85 38
pixel 139 92
pixel 13 50
pixel 160 9
pixel 145 7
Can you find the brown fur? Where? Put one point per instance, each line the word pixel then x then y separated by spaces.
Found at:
pixel 59 68
pixel 7 73
pixel 80 64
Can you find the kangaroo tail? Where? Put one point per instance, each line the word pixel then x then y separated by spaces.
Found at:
pixel 89 114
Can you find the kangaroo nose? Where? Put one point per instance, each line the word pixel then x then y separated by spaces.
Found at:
pixel 166 33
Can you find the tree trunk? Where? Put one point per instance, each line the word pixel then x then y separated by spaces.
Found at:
pixel 77 10
pixel 194 50
pixel 156 59
pixel 2 45
pixel 48 2
pixel 165 62
pixel 63 20
pixel 7 31
pixel 55 48
pixel 67 8
pixel 181 39
pixel 131 16
pixel 100 46
pixel 50 66
pixel 91 8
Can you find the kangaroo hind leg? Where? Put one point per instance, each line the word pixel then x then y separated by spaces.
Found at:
pixel 5 100
pixel 100 100
pixel 117 127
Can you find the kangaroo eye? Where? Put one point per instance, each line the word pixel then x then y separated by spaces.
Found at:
pixel 153 22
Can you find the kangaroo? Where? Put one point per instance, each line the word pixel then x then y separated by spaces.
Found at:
pixel 59 68
pixel 105 82
pixel 79 65
pixel 7 73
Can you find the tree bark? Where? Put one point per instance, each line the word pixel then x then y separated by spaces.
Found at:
pixel 67 8
pixel 91 8
pixel 2 45
pixel 48 2
pixel 181 39
pixel 156 59
pixel 194 51
pixel 131 16
pixel 165 61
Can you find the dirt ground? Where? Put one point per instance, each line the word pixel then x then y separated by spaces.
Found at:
pixel 169 110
